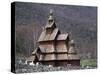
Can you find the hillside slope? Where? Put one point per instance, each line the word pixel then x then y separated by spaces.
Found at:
pixel 80 22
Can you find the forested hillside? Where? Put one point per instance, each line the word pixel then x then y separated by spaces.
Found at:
pixel 79 21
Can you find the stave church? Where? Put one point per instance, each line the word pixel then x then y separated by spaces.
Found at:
pixel 55 48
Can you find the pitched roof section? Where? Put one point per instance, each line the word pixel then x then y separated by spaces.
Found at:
pixel 62 56
pixel 42 50
pixel 31 58
pixel 62 36
pixel 48 37
pixel 33 53
pixel 47 57
pixel 59 50
pixel 54 34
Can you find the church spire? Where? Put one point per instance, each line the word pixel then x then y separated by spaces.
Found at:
pixel 50 17
pixel 50 22
pixel 72 47
pixel 72 43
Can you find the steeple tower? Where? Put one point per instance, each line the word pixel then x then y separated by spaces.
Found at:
pixel 72 43
pixel 50 23
pixel 72 47
pixel 50 17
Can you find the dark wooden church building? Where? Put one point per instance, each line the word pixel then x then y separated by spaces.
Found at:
pixel 55 48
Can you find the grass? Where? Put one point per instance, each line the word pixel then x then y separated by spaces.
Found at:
pixel 88 63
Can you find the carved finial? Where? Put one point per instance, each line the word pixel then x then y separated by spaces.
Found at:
pixel 50 18
pixel 51 12
pixel 72 43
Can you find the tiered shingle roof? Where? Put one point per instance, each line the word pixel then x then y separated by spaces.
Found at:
pixel 54 45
